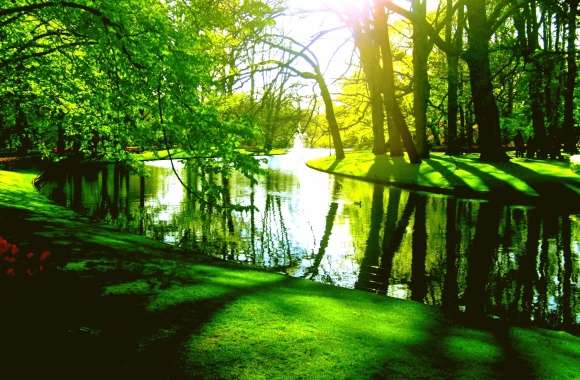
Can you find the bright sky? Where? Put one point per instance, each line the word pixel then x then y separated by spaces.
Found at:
pixel 305 19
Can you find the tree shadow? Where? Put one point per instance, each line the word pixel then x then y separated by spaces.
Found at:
pixel 69 328
pixel 504 189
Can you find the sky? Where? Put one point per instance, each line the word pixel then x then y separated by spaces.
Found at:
pixel 304 19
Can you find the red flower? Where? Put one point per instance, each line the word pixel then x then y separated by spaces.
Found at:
pixel 45 256
pixel 4 245
pixel 10 272
pixel 30 255
pixel 14 250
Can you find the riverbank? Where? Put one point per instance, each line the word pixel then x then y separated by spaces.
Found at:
pixel 118 305
pixel 520 180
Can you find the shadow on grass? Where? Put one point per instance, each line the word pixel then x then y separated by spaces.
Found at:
pixel 70 329
pixel 335 164
pixel 397 170
pixel 503 188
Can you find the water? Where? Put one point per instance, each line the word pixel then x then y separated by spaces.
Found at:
pixel 514 262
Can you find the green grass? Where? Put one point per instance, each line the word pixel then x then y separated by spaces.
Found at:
pixel 519 179
pixel 123 306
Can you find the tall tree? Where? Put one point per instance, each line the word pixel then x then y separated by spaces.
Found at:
pixel 484 102
pixel 455 40
pixel 569 127
pixel 398 128
pixel 421 50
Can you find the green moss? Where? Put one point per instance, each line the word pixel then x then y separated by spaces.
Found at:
pixel 518 179
pixel 168 316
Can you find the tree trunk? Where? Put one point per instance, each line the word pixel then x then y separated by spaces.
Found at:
pixel 453 78
pixel 397 124
pixel 486 111
pixel 569 127
pixel 535 83
pixel 370 64
pixel 421 50
pixel 387 81
pixel 330 116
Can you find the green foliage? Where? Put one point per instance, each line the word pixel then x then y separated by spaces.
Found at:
pixel 91 78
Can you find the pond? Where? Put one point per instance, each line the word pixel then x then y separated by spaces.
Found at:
pixel 513 262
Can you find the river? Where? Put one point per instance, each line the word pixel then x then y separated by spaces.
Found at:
pixel 514 262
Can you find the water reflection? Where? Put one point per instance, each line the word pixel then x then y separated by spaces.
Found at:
pixel 482 258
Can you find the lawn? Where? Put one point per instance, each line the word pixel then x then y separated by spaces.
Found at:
pixel 517 180
pixel 115 305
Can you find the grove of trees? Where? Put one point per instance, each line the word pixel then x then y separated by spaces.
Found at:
pixel 92 78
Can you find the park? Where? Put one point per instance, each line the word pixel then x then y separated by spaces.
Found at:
pixel 289 189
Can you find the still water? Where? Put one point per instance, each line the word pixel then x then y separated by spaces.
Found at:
pixel 482 258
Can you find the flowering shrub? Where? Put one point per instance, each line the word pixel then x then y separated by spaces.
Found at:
pixel 15 263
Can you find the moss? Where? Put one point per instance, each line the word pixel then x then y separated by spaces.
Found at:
pixel 518 180
pixel 123 306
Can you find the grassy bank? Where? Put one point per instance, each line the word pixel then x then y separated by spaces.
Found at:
pixel 117 305
pixel 519 179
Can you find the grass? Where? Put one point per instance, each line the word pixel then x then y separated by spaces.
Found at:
pixel 181 154
pixel 517 180
pixel 117 305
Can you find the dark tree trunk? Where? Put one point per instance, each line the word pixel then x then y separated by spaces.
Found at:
pixel 486 111
pixel 535 82
pixel 570 133
pixel 421 50
pixel 453 78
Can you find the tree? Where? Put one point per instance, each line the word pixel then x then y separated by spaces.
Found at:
pixel 304 52
pixel 569 127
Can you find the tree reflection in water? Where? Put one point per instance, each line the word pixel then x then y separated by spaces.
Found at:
pixel 481 258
